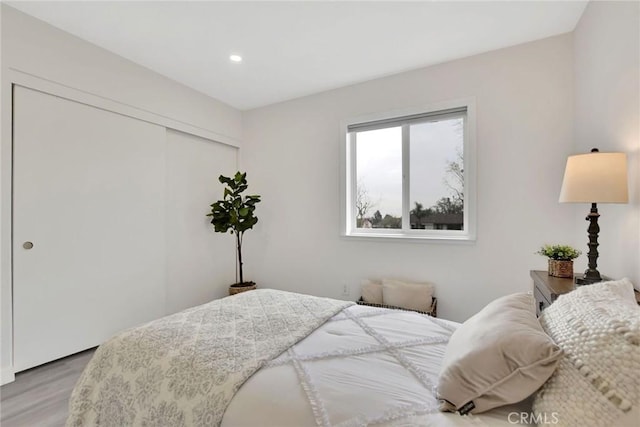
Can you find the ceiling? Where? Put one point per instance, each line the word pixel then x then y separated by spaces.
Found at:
pixel 292 49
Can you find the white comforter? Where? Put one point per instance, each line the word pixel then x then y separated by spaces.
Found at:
pixel 365 366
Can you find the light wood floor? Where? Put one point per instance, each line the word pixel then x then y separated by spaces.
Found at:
pixel 39 397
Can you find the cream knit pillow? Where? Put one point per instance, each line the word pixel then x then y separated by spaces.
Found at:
pixel 598 382
pixel 412 296
pixel 372 292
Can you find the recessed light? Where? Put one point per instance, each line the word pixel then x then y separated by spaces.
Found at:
pixel 235 58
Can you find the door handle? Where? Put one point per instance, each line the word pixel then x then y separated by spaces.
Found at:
pixel 27 245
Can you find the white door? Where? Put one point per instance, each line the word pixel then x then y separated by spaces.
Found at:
pixel 200 262
pixel 88 225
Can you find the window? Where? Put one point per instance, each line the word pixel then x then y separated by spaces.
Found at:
pixel 411 175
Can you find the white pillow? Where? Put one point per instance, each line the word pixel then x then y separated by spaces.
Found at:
pixel 596 383
pixel 372 292
pixel 412 296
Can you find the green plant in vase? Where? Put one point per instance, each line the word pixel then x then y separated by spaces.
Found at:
pixel 235 214
pixel 560 259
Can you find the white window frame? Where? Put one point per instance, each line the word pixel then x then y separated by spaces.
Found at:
pixel 348 176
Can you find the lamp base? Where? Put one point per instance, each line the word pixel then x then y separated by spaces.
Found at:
pixel 584 280
pixel 581 281
pixel 592 275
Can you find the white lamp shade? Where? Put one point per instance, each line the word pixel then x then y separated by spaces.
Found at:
pixel 595 178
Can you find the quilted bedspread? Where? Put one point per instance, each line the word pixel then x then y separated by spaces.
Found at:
pixel 183 370
pixel 366 366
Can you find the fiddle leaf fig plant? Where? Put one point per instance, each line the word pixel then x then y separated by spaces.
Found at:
pixel 235 213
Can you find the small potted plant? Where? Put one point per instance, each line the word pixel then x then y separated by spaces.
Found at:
pixel 235 213
pixel 560 259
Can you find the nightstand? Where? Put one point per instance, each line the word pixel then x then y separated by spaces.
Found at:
pixel 547 288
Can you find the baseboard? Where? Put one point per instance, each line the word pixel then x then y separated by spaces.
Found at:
pixel 7 375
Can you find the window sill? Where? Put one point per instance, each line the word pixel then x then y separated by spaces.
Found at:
pixel 382 237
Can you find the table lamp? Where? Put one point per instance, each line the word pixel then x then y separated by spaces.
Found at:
pixel 594 178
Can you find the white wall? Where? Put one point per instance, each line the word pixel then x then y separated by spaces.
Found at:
pixel 607 116
pixel 37 55
pixel 524 102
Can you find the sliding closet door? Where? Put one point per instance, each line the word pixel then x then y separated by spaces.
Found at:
pixel 200 262
pixel 88 225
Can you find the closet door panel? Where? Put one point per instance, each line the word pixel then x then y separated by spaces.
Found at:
pixel 200 262
pixel 88 225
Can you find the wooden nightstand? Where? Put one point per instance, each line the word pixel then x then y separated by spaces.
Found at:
pixel 547 288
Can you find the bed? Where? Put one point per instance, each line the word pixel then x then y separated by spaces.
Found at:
pixel 273 358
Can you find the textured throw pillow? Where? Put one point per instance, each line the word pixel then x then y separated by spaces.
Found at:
pixel 598 382
pixel 372 292
pixel 499 356
pixel 412 296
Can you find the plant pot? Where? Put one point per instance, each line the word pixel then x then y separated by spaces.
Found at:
pixel 236 288
pixel 561 268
